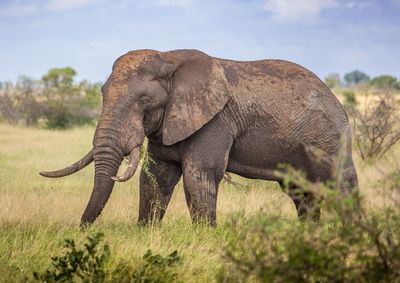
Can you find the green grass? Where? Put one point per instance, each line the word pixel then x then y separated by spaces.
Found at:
pixel 37 214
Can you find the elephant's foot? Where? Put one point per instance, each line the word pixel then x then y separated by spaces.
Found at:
pixel 202 205
pixel 306 204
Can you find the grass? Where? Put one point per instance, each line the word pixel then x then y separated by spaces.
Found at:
pixel 37 214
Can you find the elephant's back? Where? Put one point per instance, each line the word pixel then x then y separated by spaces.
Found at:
pixel 273 79
pixel 287 99
pixel 279 85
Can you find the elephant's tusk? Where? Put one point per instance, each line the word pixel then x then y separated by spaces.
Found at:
pixel 82 163
pixel 133 163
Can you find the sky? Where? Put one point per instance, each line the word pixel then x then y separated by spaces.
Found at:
pixel 324 36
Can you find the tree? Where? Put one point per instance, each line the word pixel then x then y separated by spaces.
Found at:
pixel 59 77
pixel 333 80
pixel 56 101
pixel 356 77
pixel 69 103
pixel 385 82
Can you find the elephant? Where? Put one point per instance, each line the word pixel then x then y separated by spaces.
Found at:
pixel 204 116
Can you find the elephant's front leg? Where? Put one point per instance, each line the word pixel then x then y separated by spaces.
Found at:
pixel 201 190
pixel 203 171
pixel 204 161
pixel 156 188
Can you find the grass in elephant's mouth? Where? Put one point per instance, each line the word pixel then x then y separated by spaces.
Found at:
pixel 37 214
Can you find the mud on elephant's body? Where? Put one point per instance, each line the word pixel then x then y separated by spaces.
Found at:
pixel 205 116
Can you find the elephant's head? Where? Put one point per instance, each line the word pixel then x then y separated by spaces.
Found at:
pixel 168 95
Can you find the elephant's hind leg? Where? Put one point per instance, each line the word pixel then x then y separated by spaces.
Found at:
pixel 349 181
pixel 306 203
pixel 348 184
pixel 306 206
pixel 156 188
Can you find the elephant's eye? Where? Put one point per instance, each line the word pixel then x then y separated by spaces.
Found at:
pixel 145 101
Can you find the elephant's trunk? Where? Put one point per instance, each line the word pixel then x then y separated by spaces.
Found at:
pixel 107 159
pixel 102 189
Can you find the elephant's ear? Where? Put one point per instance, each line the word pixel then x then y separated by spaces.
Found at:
pixel 198 92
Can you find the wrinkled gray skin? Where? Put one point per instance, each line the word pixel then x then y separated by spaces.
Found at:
pixel 205 116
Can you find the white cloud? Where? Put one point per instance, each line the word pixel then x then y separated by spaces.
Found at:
pixel 299 11
pixel 180 4
pixel 175 3
pixel 19 8
pixel 65 5
pixel 16 9
pixel 358 5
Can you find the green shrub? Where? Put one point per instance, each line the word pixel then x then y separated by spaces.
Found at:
pixel 153 269
pixel 354 246
pixel 332 80
pixel 56 101
pixel 68 104
pixel 90 264
pixel 365 251
pixel 87 263
pixel 349 99
pixel 385 82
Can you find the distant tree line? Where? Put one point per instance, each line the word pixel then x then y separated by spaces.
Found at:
pixel 54 101
pixel 357 77
pixel 57 100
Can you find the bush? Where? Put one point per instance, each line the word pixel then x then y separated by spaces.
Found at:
pixel 20 103
pixel 385 82
pixel 67 103
pixel 390 181
pixel 86 264
pixel 333 80
pixel 350 101
pixel 56 101
pixel 90 264
pixel 154 269
pixel 352 247
pixel 376 126
pixel 366 251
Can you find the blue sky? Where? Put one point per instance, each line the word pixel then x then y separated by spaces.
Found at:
pixel 323 35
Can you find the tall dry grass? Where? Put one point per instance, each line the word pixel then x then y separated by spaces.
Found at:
pixel 36 213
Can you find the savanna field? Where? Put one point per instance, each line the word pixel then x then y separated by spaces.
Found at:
pixel 255 219
pixel 167 68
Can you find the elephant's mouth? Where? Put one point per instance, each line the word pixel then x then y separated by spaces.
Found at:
pixel 152 122
pixel 134 158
